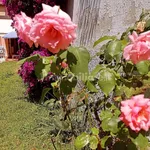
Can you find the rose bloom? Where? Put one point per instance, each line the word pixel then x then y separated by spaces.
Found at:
pixel 139 49
pixel 52 29
pixel 135 113
pixel 22 24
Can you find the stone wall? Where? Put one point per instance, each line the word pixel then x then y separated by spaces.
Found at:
pixel 96 18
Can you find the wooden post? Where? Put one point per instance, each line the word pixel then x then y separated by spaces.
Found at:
pixel 86 14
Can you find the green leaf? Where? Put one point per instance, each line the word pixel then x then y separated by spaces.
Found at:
pixel 56 92
pixel 128 91
pixel 119 146
pixel 124 43
pixel 143 67
pixel 107 81
pixel 44 92
pixel 82 140
pixel 104 38
pixel 129 67
pixel 62 54
pixel 123 134
pixel 78 59
pixel 46 60
pixel 103 141
pixel 54 84
pixel 30 58
pixel 118 58
pixel 66 86
pixel 105 114
pixel 110 124
pixel 141 142
pixel 95 71
pixel 55 67
pixel 95 131
pixel 93 142
pixel 42 70
pixel 91 87
pixel 131 146
pixel 125 34
pixel 114 48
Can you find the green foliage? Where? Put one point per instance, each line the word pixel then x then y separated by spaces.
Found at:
pixel 30 58
pixel 114 49
pixel 42 69
pixel 131 146
pixel 107 81
pixel 141 142
pixel 110 124
pixel 66 86
pixel 105 114
pixel 95 131
pixel 119 145
pixel 91 87
pixel 96 70
pixel 44 92
pixel 82 140
pixel 143 67
pixel 78 59
pixel 103 141
pixel 104 38
pixel 93 142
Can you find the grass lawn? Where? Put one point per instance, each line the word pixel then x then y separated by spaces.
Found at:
pixel 22 124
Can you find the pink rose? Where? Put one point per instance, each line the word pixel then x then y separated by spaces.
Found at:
pixel 23 25
pixel 139 49
pixel 52 29
pixel 135 113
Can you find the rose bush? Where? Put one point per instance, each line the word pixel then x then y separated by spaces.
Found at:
pixel 58 29
pixel 17 7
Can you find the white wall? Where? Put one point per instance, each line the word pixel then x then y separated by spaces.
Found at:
pixel 5 26
pixel 100 17
pixel 96 18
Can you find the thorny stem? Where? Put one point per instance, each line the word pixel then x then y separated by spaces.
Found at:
pixel 53 143
pixel 72 126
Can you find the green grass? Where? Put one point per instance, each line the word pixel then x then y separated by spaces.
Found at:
pixel 20 121
pixel 23 125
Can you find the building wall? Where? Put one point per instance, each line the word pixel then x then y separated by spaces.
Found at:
pixel 5 27
pixel 96 18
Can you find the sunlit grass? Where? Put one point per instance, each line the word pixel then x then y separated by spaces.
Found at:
pixel 23 125
pixel 20 121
